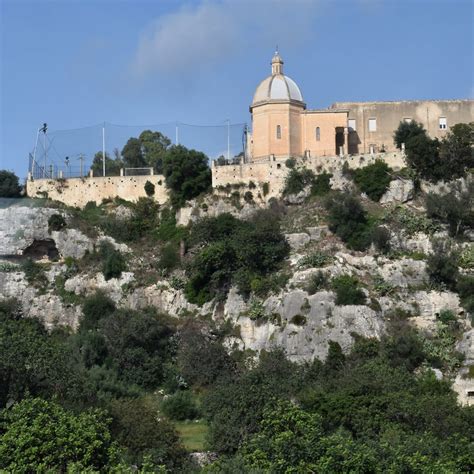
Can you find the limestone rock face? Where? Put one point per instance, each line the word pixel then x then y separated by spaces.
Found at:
pixel 303 324
pixel 72 243
pixel 297 240
pixel 298 198
pixel 46 307
pixel 404 273
pixel 21 225
pixel 400 190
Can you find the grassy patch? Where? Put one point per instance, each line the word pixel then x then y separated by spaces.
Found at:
pixel 193 434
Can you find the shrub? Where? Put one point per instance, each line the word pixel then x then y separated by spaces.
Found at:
pixel 56 222
pixel 265 188
pixel 348 220
pixel 446 316
pixel 348 291
pixel 465 288
pixel 373 179
pixel 34 273
pixel 180 406
pixel 248 196
pixel 442 269
pixel 290 163
pixel 169 258
pixel 297 180
pixel 454 209
pixel 321 184
pixel 256 310
pixel 317 282
pixel 381 239
pixel 40 435
pixel 113 262
pixel 9 185
pixel 316 259
pixel 149 189
pixel 298 320
pixel 96 307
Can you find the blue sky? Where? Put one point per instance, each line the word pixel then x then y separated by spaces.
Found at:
pixel 73 63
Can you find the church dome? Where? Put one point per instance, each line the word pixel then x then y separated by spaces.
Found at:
pixel 277 87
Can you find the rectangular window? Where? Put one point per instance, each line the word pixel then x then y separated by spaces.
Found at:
pixel 318 134
pixel 351 123
pixel 372 125
pixel 278 132
pixel 443 123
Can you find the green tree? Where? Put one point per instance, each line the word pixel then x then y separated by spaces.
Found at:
pixel 455 208
pixel 347 219
pixel 288 440
pixel 132 154
pixel 187 174
pixel 407 130
pixel 374 179
pixel 112 165
pixel 138 428
pixel 422 155
pixel 41 436
pixel 154 146
pixel 9 185
pixel 456 152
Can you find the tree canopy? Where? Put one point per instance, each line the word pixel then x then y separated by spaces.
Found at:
pixel 9 184
pixel 187 173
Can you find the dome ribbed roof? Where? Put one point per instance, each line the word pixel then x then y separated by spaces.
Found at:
pixel 277 87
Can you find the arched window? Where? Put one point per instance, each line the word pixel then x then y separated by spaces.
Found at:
pixel 318 134
pixel 278 131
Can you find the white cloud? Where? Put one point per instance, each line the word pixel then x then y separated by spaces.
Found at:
pixel 204 34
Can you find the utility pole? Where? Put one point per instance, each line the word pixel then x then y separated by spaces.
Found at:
pixel 103 149
pixel 44 129
pixel 81 160
pixel 228 140
pixel 176 141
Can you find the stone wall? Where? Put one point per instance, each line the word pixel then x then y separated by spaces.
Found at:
pixel 77 192
pixel 274 171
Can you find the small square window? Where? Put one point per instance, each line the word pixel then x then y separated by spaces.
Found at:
pixel 443 123
pixel 351 123
pixel 372 125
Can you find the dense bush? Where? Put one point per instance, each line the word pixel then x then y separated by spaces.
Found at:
pixel 40 436
pixel 455 208
pixel 317 282
pixel 113 262
pixel 9 185
pixel 447 159
pixel 180 406
pixel 56 222
pixel 149 189
pixel 442 268
pixel 373 179
pixel 348 220
pixel 147 439
pixel 95 307
pixel 231 250
pixel 297 179
pixel 381 239
pixel 321 184
pixel 347 290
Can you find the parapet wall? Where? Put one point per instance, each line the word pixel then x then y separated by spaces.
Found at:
pixel 274 171
pixel 77 192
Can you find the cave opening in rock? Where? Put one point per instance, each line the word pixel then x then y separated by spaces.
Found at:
pixel 41 248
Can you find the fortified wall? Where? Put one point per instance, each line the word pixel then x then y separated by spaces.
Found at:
pixel 274 170
pixel 77 192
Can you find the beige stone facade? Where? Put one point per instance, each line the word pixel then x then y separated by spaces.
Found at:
pixel 373 123
pixel 77 192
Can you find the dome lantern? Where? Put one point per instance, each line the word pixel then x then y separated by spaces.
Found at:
pixel 277 64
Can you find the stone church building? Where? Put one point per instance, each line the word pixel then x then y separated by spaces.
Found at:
pixel 282 126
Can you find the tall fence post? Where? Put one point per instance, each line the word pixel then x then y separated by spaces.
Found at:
pixel 103 149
